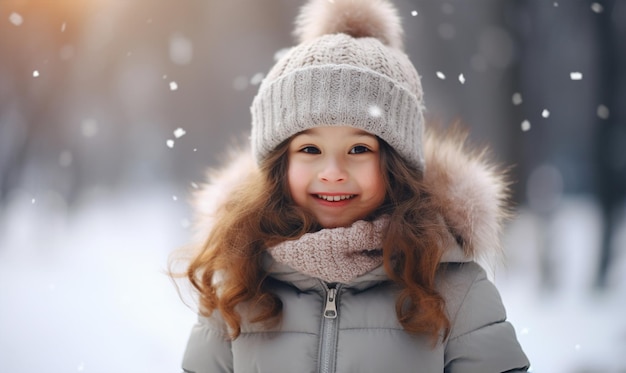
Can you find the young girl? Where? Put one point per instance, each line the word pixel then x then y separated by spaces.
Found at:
pixel 346 240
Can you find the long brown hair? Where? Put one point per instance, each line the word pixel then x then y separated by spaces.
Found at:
pixel 227 269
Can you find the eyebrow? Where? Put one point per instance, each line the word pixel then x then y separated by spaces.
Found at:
pixel 355 132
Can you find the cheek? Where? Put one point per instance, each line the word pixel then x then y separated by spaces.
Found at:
pixel 297 180
pixel 378 187
pixel 375 183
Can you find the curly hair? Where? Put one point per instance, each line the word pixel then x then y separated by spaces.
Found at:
pixel 227 269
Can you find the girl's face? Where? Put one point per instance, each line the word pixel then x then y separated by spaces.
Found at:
pixel 334 173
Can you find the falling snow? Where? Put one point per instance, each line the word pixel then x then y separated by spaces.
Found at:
pixel 280 53
pixel 524 331
pixel 462 78
pixel 89 127
pixel 545 113
pixel 16 19
pixel 603 112
pixel 173 86
pixel 63 27
pixel 414 13
pixel 240 83
pixel 257 78
pixel 180 50
pixel 575 75
pixel 35 73
pixel 526 125
pixel 375 111
pixel 169 143
pixel 175 198
pixel 441 75
pixel 179 132
pixel 597 7
pixel 517 98
pixel 141 315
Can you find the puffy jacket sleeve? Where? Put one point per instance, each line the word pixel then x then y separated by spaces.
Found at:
pixel 208 349
pixel 481 340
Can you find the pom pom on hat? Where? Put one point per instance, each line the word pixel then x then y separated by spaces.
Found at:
pixel 348 70
pixel 357 18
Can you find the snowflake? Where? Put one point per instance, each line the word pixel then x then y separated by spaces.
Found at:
pixel 16 19
pixel 441 75
pixel 545 113
pixel 603 112
pixel 89 127
pixel 281 53
pixel 375 111
pixel 256 78
pixel 576 75
pixel 525 125
pixel 597 7
pixel 180 50
pixel 240 83
pixel 525 331
pixel 169 143
pixel 179 132
pixel 517 98
pixel 462 78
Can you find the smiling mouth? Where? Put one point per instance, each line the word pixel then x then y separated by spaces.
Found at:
pixel 336 198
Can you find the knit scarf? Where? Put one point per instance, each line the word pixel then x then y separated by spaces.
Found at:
pixel 335 254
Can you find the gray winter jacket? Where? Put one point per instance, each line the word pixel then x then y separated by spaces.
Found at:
pixel 353 327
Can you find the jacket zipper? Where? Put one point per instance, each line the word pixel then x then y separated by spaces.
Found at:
pixel 329 329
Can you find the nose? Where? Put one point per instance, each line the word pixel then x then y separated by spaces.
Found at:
pixel 333 171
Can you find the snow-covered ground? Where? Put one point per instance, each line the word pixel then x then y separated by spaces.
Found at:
pixel 571 328
pixel 85 291
pixel 88 292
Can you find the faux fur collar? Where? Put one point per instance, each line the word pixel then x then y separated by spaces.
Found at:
pixel 471 193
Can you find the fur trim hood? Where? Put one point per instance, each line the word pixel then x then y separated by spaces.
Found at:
pixel 471 194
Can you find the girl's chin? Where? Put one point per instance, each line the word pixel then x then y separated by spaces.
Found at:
pixel 336 223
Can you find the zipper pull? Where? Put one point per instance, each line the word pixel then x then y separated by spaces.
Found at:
pixel 330 311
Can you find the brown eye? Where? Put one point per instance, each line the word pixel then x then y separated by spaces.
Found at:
pixel 310 150
pixel 359 149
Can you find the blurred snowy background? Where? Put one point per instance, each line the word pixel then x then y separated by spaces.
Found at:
pixel 110 110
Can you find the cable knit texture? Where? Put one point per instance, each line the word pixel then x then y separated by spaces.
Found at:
pixel 336 254
pixel 357 75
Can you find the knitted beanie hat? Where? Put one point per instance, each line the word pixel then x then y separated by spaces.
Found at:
pixel 348 70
